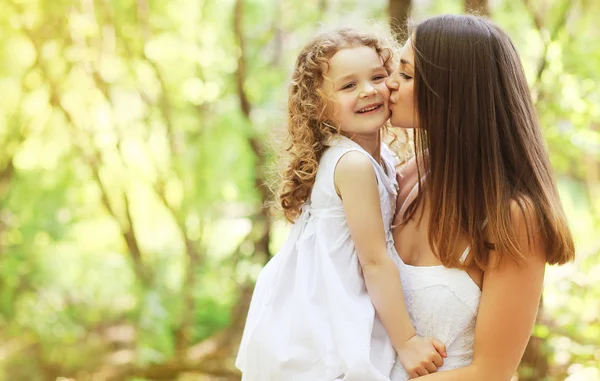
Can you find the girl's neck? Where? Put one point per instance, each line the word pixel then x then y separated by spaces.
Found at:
pixel 370 143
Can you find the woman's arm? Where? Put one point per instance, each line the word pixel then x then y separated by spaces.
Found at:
pixel 509 303
pixel 356 183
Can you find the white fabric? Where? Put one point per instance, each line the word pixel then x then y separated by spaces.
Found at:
pixel 311 318
pixel 442 303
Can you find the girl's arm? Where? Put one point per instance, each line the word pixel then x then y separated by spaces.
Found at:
pixel 507 311
pixel 356 184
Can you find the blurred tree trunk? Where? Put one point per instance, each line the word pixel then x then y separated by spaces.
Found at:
pixel 194 253
pixel 6 176
pixel 261 224
pixel 534 365
pixel 399 12
pixel 481 7
pixel 592 177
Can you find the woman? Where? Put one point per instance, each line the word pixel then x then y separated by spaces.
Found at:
pixel 480 214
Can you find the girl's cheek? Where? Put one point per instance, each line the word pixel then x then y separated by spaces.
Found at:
pixel 386 90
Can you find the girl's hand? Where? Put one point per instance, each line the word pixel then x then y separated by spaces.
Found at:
pixel 421 356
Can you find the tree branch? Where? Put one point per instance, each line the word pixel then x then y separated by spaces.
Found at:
pixel 399 12
pixel 127 229
pixel 547 39
pixel 262 223
pixel 559 330
pixel 254 142
pixel 240 77
pixel 193 255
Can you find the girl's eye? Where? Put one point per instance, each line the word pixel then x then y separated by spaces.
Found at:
pixel 405 76
pixel 379 77
pixel 348 86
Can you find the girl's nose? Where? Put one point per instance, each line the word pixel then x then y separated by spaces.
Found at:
pixel 368 90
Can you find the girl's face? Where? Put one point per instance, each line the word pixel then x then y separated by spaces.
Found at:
pixel 358 95
pixel 400 83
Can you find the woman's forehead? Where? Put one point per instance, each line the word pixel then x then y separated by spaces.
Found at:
pixel 407 54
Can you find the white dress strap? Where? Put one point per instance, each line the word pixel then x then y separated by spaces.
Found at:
pixel 465 253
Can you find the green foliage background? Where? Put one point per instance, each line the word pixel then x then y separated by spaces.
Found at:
pixel 134 136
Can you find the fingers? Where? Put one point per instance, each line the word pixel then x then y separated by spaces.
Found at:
pixel 430 367
pixel 418 373
pixel 440 347
pixel 422 372
pixel 436 359
pixel 425 368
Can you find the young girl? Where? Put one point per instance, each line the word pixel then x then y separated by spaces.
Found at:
pixel 321 304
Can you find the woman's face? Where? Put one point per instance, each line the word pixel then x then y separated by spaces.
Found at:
pixel 400 83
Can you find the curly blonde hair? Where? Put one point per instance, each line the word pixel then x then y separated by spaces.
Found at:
pixel 309 127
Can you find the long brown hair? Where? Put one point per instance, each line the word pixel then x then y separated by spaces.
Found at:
pixel 309 128
pixel 482 145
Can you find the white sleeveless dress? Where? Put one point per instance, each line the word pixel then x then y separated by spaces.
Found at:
pixel 311 318
pixel 442 303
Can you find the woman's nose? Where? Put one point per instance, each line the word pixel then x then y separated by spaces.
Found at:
pixel 392 82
